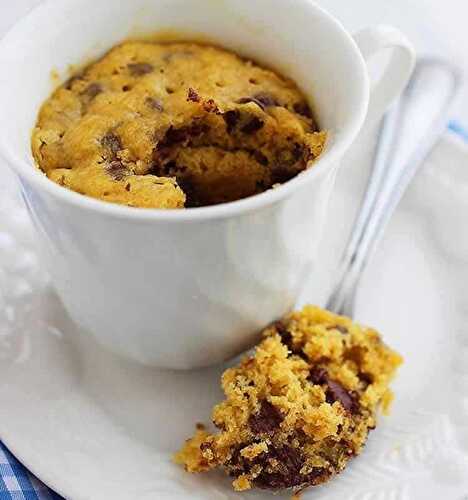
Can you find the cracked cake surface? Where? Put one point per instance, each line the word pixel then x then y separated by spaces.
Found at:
pixel 174 125
pixel 300 407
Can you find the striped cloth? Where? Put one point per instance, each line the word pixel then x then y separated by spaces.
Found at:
pixel 17 483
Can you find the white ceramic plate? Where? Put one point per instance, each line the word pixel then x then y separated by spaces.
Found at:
pixel 93 426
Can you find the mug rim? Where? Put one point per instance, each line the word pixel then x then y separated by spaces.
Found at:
pixel 348 133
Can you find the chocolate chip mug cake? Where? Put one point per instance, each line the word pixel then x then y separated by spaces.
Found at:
pixel 174 125
pixel 300 408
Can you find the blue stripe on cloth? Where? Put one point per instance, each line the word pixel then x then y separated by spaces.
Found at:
pixel 458 129
pixel 17 483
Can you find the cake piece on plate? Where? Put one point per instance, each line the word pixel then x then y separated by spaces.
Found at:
pixel 300 408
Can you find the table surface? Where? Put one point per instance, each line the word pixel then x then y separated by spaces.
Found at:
pixel 436 28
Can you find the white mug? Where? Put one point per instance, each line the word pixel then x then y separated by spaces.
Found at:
pixel 189 288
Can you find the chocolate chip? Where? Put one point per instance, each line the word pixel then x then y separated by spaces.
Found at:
pixel 302 108
pixel 175 135
pixel 280 468
pixel 318 376
pixel 336 392
pixel 287 472
pixel 193 95
pixel 112 142
pixel 197 129
pixel 252 126
pixel 297 152
pixel 260 158
pixel 168 169
pixel 186 184
pixel 154 103
pixel 231 118
pixel 260 186
pixel 178 135
pixel 280 327
pixel 127 187
pixel 280 175
pixel 267 420
pixel 266 99
pixel 117 170
pixel 283 332
pixel 140 69
pixel 287 340
pixel 366 378
pixel 92 90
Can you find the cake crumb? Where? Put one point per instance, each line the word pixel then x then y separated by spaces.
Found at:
pixel 301 407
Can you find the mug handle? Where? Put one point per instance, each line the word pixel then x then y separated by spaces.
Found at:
pixel 395 77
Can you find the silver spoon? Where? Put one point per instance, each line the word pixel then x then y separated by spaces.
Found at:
pixel 407 136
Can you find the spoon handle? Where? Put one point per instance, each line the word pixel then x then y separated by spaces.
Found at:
pixel 408 134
